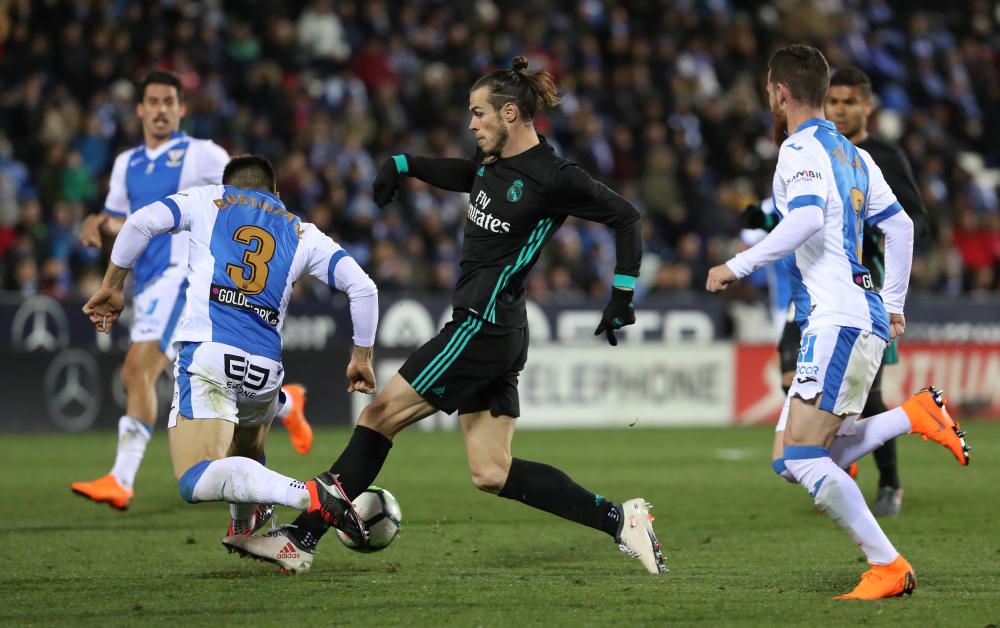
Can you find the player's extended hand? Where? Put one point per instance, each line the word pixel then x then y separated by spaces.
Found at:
pixel 897 326
pixel 360 375
pixel 104 308
pixel 719 278
pixel 386 183
pixel 90 232
pixel 619 313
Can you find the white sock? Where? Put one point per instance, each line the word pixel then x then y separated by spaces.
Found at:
pixel 242 480
pixel 836 494
pixel 284 404
pixel 857 438
pixel 133 435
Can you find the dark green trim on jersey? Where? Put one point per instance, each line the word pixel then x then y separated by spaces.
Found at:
pixel 527 252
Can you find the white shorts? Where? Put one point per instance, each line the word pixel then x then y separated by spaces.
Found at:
pixel 217 381
pixel 838 363
pixel 158 309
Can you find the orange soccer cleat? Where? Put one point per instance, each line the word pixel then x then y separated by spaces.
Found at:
pixel 892 580
pixel 929 417
pixel 852 470
pixel 105 490
pixel 299 430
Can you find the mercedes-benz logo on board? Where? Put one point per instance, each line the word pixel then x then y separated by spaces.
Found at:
pixel 73 390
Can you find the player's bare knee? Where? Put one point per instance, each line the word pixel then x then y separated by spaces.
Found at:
pixel 133 377
pixel 489 478
pixel 376 417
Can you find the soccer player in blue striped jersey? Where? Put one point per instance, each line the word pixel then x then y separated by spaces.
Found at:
pixel 247 249
pixel 828 192
pixel 167 161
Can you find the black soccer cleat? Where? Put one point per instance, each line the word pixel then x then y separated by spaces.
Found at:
pixel 328 500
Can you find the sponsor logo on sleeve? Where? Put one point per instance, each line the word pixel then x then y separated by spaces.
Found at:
pixel 804 176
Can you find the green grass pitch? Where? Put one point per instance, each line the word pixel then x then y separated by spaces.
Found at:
pixel 744 547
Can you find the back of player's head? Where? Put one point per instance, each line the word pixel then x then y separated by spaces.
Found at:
pixel 851 76
pixel 803 70
pixel 530 91
pixel 250 172
pixel 160 77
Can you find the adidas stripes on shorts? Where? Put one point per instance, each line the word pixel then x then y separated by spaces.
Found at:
pixel 470 366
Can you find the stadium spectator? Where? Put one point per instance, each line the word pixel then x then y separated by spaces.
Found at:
pixel 663 96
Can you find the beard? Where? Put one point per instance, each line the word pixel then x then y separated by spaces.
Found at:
pixel 780 130
pixel 501 141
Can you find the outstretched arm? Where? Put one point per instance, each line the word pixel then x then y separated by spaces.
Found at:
pixel 788 235
pixel 446 173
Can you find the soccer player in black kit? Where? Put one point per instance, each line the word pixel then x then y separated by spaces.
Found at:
pixel 849 105
pixel 521 192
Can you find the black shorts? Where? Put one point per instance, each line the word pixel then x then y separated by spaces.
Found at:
pixel 788 353
pixel 470 366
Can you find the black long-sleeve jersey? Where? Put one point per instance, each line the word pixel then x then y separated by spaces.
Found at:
pixel 894 165
pixel 516 204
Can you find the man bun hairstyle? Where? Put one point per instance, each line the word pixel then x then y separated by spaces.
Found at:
pixel 160 77
pixel 852 76
pixel 531 91
pixel 802 69
pixel 250 172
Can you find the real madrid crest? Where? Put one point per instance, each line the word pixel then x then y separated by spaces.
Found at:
pixel 515 191
pixel 174 157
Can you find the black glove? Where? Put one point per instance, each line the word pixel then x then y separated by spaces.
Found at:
pixel 386 182
pixel 753 217
pixel 619 313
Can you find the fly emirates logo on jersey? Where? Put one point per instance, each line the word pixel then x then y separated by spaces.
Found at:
pixel 479 216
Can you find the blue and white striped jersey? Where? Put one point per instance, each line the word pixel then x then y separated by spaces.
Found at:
pixel 817 166
pixel 141 176
pixel 247 250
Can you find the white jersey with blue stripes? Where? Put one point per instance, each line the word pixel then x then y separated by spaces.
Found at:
pixel 247 249
pixel 817 166
pixel 142 175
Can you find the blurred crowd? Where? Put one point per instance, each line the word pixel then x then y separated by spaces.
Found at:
pixel 663 101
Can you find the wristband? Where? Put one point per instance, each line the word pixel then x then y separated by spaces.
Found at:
pixel 402 166
pixel 624 281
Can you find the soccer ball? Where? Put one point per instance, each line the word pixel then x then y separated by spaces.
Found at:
pixel 380 512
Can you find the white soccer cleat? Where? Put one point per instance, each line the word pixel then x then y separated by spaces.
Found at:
pixel 256 521
pixel 277 547
pixel 636 537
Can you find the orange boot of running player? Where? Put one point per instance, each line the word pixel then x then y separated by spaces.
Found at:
pixel 892 580
pixel 929 417
pixel 105 490
pixel 299 430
